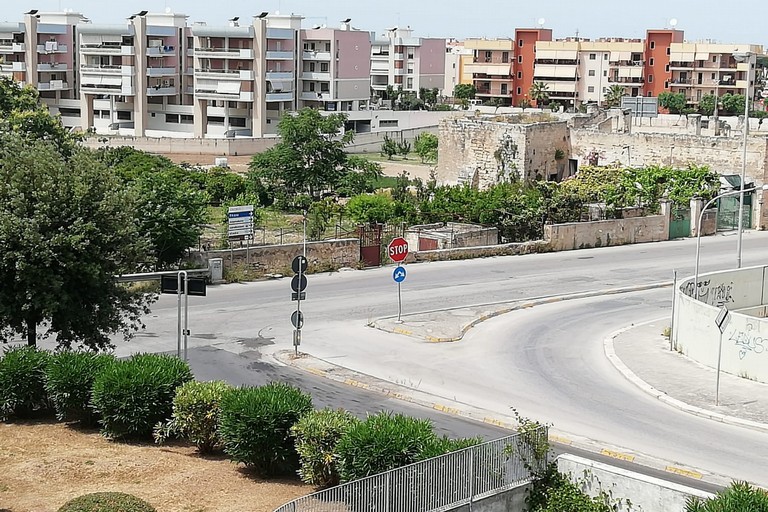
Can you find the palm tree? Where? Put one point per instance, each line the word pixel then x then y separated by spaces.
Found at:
pixel 539 93
pixel 613 95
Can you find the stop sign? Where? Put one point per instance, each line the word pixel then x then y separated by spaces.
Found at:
pixel 397 249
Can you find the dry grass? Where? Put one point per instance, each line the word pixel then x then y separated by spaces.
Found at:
pixel 43 465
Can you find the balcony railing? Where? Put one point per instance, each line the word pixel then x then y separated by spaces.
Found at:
pixel 10 47
pixel 106 50
pixel 224 53
pixel 161 91
pixel 279 55
pixel 52 47
pixel 161 71
pixel 279 75
pixel 107 69
pixel 313 75
pixel 11 67
pixel 279 96
pixel 316 96
pixel 53 85
pixel 225 74
pixel 156 51
pixel 314 55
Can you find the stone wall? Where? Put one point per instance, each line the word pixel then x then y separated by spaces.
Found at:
pixel 277 258
pixel 189 146
pixel 463 253
pixel 603 233
pixel 482 150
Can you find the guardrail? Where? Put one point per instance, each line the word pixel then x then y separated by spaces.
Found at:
pixel 438 484
pixel 156 276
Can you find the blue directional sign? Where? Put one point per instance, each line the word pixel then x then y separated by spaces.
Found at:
pixel 399 274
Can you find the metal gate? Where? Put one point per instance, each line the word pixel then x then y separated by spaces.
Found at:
pixel 373 237
pixel 728 213
pixel 680 224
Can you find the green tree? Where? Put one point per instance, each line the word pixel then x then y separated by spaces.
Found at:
pixel 539 92
pixel 464 91
pixel 613 95
pixel 760 115
pixel 733 103
pixel 672 101
pixel 425 144
pixel 389 147
pixel 310 156
pixel 67 227
pixel 707 105
pixel 524 104
pixel 404 148
pixel 21 112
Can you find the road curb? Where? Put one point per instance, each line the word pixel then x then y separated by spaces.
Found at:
pixel 352 378
pixel 610 353
pixel 508 307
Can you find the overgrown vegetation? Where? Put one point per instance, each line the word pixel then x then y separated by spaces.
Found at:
pixel 107 502
pixel 22 382
pixel 69 378
pixel 738 497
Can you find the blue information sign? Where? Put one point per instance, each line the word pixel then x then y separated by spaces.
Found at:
pixel 399 274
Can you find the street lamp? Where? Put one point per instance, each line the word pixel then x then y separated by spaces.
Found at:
pixel 698 231
pixel 743 57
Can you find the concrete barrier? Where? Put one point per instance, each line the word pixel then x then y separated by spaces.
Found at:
pixel 646 493
pixel 745 337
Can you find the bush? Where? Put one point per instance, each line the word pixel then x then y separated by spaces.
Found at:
pixel 317 435
pixel 367 208
pixel 22 382
pixel 553 491
pixel 255 426
pixel 738 497
pixel 107 502
pixel 132 396
pixel 443 445
pixel 69 380
pixel 382 442
pixel 196 412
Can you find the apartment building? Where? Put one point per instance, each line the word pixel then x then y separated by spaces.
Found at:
pixel 457 56
pixel 400 60
pixel 525 58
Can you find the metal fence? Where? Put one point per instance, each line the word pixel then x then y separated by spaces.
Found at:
pixel 437 484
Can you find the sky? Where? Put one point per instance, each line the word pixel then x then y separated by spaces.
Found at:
pixel 737 21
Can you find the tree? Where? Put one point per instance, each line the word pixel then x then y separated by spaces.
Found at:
pixel 760 115
pixel 524 104
pixel 733 103
pixel 425 144
pixel 67 227
pixel 464 91
pixel 539 92
pixel 404 148
pixel 389 147
pixel 707 104
pixel 613 95
pixel 310 156
pixel 674 102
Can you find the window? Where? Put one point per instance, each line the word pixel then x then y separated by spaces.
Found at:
pixel 650 61
pixel 666 68
pixel 650 79
pixel 505 57
pixel 324 87
pixel 520 43
pixel 605 56
pixel 653 45
pixel 669 51
pixel 122 115
pixel 187 119
pixel 409 83
pixel 714 58
pixel 519 59
pixel 311 86
pixel 171 118
pixel 519 91
pixel 591 88
pixel 666 85
pixel 324 67
pixel 519 75
pixel 237 122
pixel 311 67
pixel 605 72
pixel 713 76
pixel 389 123
pixel 592 56
pixel 504 89
pixel 488 56
pixel 328 46
pixel 591 72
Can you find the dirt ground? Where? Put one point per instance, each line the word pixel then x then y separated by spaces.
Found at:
pixel 43 465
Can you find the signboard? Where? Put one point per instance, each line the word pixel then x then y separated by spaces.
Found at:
pixel 299 283
pixel 397 249
pixel 299 264
pixel 641 106
pixel 297 319
pixel 399 274
pixel 722 320
pixel 170 284
pixel 240 222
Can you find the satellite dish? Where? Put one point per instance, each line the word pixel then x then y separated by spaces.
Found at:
pixel 673 22
pixel 167 10
pixel 541 22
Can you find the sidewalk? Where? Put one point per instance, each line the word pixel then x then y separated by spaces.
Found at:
pixel 642 354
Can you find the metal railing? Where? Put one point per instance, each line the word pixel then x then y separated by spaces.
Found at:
pixel 438 484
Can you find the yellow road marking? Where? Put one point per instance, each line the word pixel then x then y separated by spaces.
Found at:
pixel 618 455
pixel 445 409
pixel 560 440
pixel 684 472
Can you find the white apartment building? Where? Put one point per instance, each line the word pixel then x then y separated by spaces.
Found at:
pixel 400 60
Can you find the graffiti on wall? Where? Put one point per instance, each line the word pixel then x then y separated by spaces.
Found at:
pixel 713 294
pixel 748 341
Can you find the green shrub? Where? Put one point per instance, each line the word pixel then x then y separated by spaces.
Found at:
pixel 443 445
pixel 196 412
pixel 382 442
pixel 22 382
pixel 107 502
pixel 553 491
pixel 255 426
pixel 132 396
pixel 69 380
pixel 317 434
pixel 738 497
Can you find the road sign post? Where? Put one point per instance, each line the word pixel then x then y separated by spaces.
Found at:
pixel 298 285
pixel 398 251
pixel 722 321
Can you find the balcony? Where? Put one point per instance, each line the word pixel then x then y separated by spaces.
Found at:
pixel 104 70
pixel 161 51
pixel 279 75
pixel 154 72
pixel 279 55
pixel 53 85
pixel 52 47
pixel 107 50
pixel 223 53
pixel 315 55
pixel 13 67
pixel 315 96
pixel 161 91
pixel 225 74
pixel 625 80
pixel 279 96
pixel 208 93
pixel 52 67
pixel 312 75
pixel 281 33
pixel 9 47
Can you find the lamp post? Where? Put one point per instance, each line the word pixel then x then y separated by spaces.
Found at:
pixel 698 230
pixel 743 57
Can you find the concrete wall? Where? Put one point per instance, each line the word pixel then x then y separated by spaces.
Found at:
pixel 463 253
pixel 582 235
pixel 745 339
pixel 277 258
pixel 647 494
pixel 191 146
pixel 512 500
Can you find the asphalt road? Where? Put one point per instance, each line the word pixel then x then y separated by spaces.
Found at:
pixel 545 361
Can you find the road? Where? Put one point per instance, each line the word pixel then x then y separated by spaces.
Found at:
pixel 546 362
